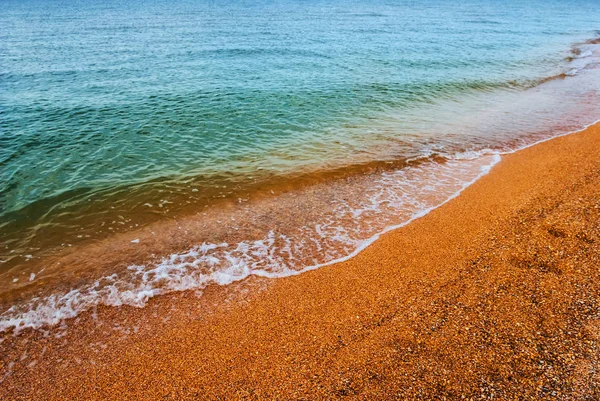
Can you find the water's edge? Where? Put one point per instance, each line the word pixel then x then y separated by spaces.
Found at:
pixel 56 310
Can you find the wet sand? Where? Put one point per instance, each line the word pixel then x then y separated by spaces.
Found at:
pixel 495 295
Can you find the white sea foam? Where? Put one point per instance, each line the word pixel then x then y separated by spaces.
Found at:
pixel 589 56
pixel 391 200
pixel 472 154
pixel 585 54
pixel 572 72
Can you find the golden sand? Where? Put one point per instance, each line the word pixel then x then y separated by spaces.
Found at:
pixel 495 295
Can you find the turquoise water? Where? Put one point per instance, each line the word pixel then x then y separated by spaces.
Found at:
pixel 107 107
pixel 106 94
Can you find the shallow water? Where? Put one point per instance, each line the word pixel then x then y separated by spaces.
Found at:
pixel 285 135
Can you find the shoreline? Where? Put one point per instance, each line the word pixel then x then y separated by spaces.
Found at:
pixel 463 301
pixel 57 269
pixel 133 257
pixel 147 254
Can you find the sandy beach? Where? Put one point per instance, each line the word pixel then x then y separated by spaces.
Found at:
pixel 494 295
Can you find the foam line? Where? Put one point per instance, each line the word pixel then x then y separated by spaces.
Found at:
pixel 52 310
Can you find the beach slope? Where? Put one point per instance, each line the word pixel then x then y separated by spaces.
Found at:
pixel 496 294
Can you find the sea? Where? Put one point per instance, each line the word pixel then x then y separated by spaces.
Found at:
pixel 148 147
